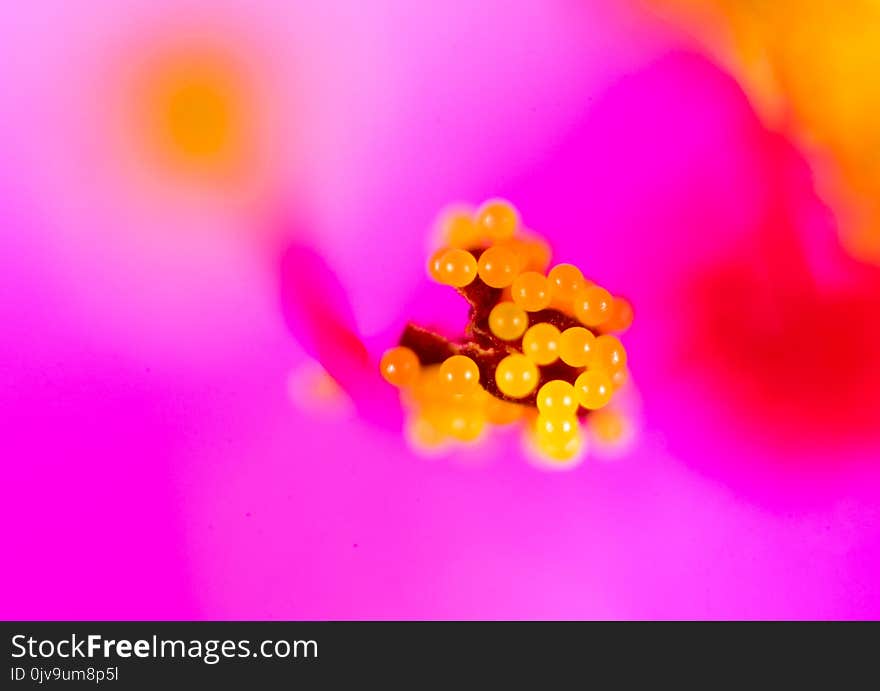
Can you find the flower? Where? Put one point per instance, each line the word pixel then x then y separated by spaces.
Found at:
pixel 711 223
pixel 149 440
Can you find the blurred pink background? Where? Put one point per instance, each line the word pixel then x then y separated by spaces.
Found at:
pixel 160 460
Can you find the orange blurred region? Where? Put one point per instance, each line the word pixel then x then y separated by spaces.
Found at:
pixel 193 111
pixel 809 67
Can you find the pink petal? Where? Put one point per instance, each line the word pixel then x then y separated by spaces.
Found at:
pixel 317 311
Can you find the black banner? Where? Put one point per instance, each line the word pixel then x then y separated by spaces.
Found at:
pixel 123 655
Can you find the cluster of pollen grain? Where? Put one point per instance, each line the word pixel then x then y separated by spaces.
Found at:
pixel 540 347
pixel 447 402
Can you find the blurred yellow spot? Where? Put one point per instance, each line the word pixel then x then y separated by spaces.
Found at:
pixel 314 391
pixel 465 424
pixel 193 106
pixel 500 412
pixel 532 252
pixel 423 434
pixel 607 426
pixel 459 230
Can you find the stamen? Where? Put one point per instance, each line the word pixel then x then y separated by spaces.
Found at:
pixel 537 347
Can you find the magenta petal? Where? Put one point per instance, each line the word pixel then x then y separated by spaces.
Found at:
pixel 754 345
pixel 319 315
